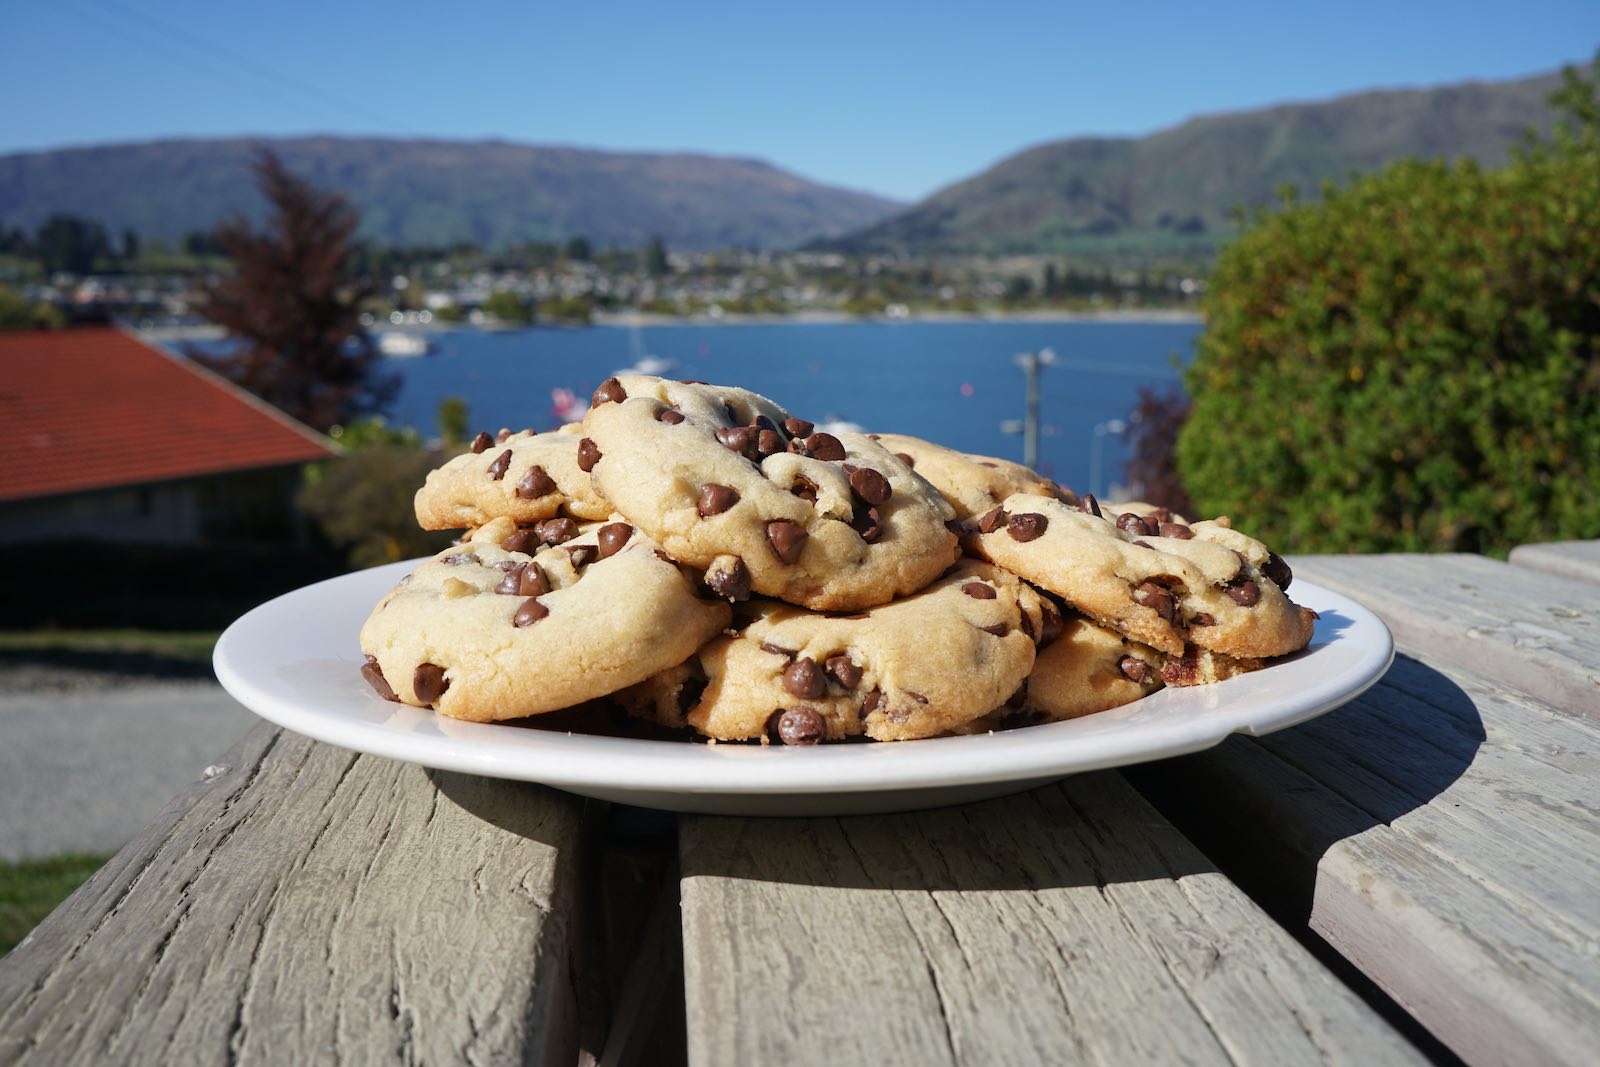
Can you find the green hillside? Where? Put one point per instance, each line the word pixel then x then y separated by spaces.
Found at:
pixel 1175 190
pixel 417 192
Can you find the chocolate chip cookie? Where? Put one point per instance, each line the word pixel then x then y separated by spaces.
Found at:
pixel 729 482
pixel 917 667
pixel 521 476
pixel 1204 583
pixel 486 632
pixel 971 483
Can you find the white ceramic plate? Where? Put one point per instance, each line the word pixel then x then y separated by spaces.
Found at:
pixel 295 661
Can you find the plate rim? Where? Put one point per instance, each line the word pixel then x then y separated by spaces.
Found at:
pixel 563 759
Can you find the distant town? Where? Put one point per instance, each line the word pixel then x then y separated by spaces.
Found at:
pixel 70 269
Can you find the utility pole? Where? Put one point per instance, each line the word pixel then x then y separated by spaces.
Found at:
pixel 1030 362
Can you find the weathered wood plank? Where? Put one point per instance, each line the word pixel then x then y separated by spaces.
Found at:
pixel 312 905
pixel 1440 832
pixel 1577 560
pixel 1534 632
pixel 1069 924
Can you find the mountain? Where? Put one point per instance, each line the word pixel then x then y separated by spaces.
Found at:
pixel 430 192
pixel 1176 189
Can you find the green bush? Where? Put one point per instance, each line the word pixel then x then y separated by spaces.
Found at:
pixel 362 501
pixel 1414 362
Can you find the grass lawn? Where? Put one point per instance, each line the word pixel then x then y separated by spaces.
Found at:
pixel 30 890
pixel 190 646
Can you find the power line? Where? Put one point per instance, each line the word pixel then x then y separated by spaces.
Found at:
pixel 199 53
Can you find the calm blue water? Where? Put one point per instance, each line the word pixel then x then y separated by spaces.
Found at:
pixel 950 382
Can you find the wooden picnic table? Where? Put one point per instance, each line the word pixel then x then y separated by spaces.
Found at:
pixel 1413 877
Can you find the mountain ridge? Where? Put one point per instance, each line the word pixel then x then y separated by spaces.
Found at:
pixel 1174 189
pixel 438 191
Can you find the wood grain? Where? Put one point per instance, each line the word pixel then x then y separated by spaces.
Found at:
pixel 1440 832
pixel 1069 924
pixel 1577 560
pixel 311 905
pixel 1529 631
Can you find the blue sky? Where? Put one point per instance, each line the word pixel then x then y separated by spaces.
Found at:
pixel 896 98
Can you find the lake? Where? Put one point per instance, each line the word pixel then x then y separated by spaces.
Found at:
pixel 952 382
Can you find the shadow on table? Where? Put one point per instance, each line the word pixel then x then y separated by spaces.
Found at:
pixel 1091 829
pixel 1267 809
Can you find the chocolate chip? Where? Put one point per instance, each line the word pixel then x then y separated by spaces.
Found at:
pixel 800 726
pixel 530 612
pixel 732 583
pixel 1089 505
pixel 907 460
pixel 670 416
pixel 778 650
pixel 761 422
pixel 918 697
pixel 1145 544
pixel 870 486
pixel 1204 618
pixel 870 704
pixel 1277 570
pixel 1175 529
pixel 1027 526
pixel 1134 669
pixel 992 520
pixel 844 670
pixel 374 676
pixel 535 484
pixel 715 499
pixel 456 559
pixel 804 679
pixel 526 580
pixel 1156 598
pixel 503 436
pixel 429 682
pixel 689 693
pixel 867 522
pixel 612 536
pixel 1155 518
pixel 999 629
pixel 804 488
pixel 1243 592
pixel 581 555
pixel 524 541
pixel 769 443
pixel 1052 624
pixel 557 531
pixel 1133 524
pixel 798 427
pixel 481 442
pixel 691 381
pixel 497 469
pixel 824 446
pixel 1027 627
pixel 786 539
pixel 979 590
pixel 588 455
pixel 609 390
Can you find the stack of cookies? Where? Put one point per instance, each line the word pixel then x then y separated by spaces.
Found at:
pixel 707 561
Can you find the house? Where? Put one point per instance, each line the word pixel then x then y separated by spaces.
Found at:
pixel 105 437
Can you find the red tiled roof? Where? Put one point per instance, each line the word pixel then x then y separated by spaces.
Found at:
pixel 96 408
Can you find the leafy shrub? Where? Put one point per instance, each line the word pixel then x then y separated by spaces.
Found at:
pixel 362 501
pixel 1414 362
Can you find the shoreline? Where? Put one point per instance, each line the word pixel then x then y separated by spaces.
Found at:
pixel 627 320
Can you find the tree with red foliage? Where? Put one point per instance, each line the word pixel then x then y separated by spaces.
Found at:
pixel 1152 434
pixel 293 303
